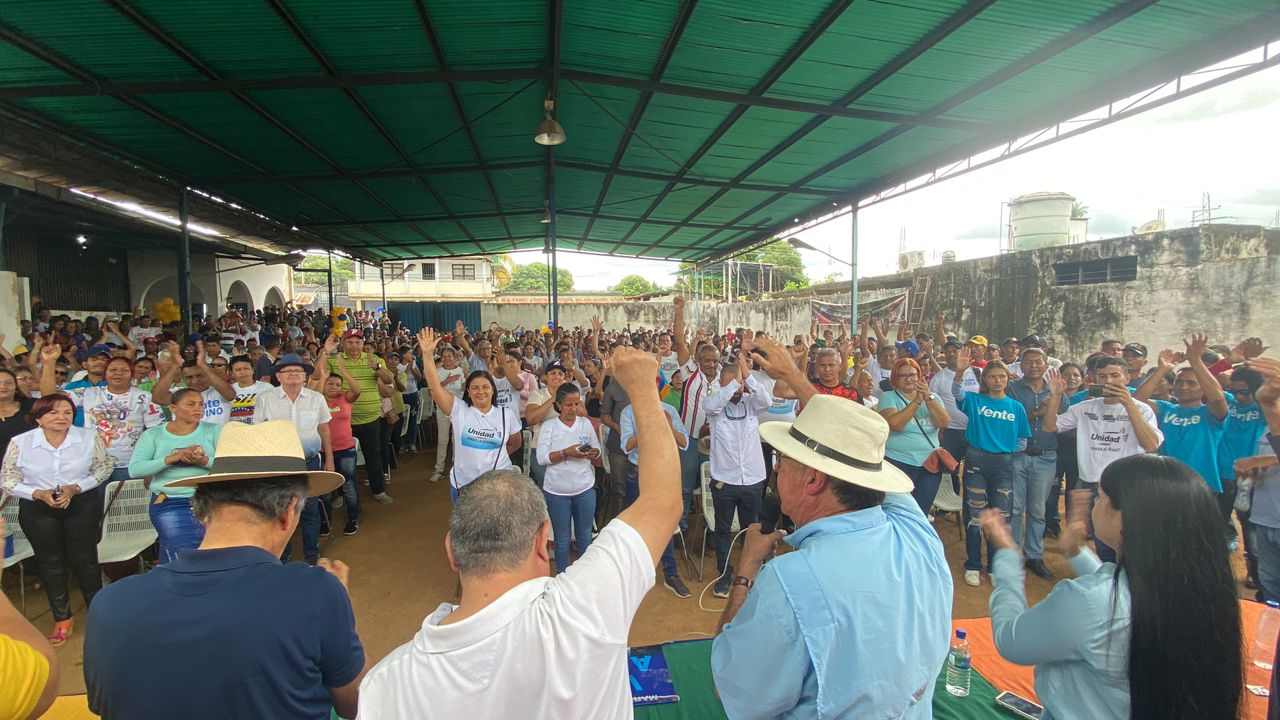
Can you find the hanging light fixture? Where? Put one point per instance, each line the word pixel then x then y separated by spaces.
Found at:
pixel 549 131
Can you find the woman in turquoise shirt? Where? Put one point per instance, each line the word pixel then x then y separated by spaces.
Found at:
pixel 914 415
pixel 1156 635
pixel 178 449
pixel 998 429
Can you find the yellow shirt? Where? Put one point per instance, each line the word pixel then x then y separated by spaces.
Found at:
pixel 25 672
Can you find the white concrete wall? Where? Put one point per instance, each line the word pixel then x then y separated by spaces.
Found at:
pixel 15 306
pixel 153 275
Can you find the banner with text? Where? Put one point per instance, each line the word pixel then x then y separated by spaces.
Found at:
pixel 894 307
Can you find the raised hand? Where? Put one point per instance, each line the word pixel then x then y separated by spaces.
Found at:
pixel 428 341
pixel 1246 349
pixel 1057 385
pixel 1075 530
pixel 678 303
pixel 636 370
pixel 769 355
pixel 1270 369
pixel 1167 358
pixel 964 358
pixel 460 328
pixel 50 353
pixel 330 345
pixel 1196 347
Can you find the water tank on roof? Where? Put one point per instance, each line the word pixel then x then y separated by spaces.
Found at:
pixel 948 256
pixel 1040 220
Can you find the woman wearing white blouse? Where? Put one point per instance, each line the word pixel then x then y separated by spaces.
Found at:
pixel 569 480
pixel 54 471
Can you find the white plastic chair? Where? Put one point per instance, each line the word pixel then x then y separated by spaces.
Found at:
pixel 948 502
pixel 359 455
pixel 526 445
pixel 709 516
pixel 126 528
pixel 426 414
pixel 21 546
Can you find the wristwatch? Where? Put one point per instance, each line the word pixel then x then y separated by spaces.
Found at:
pixel 744 582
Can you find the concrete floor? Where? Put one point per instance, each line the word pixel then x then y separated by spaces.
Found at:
pixel 399 574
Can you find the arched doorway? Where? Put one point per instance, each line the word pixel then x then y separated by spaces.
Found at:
pixel 274 297
pixel 168 287
pixel 238 296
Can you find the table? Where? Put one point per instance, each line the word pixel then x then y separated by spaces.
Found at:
pixel 690 665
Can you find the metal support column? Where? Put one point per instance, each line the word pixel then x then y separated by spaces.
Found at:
pixel 329 279
pixel 184 263
pixel 382 279
pixel 853 272
pixel 554 280
pixel 2 209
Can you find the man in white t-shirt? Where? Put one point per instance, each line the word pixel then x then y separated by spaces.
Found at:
pixel 143 330
pixel 1108 428
pixel 199 376
pixel 521 642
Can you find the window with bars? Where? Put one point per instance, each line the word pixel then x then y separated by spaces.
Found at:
pixel 428 271
pixel 1093 272
pixel 464 272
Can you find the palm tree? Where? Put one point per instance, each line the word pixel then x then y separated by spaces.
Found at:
pixel 503 267
pixel 1079 210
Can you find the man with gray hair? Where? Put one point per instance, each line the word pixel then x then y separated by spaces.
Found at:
pixel 225 630
pixel 522 642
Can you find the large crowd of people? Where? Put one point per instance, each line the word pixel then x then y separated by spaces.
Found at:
pixel 573 456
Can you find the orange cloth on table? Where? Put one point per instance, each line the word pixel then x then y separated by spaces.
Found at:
pixel 1020 679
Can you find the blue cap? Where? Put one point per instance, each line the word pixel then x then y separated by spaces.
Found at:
pixel 99 349
pixel 910 346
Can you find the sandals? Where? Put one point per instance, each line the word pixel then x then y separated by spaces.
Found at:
pixel 61 631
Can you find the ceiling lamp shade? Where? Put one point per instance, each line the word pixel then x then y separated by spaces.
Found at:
pixel 549 131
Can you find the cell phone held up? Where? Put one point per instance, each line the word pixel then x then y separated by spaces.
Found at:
pixel 1095 391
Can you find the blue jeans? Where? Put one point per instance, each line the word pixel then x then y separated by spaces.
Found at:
pixel 537 470
pixel 988 483
pixel 176 527
pixel 1033 477
pixel 411 417
pixel 571 515
pixel 344 461
pixel 309 523
pixel 117 475
pixel 926 483
pixel 743 499
pixel 630 495
pixel 1266 543
pixel 954 442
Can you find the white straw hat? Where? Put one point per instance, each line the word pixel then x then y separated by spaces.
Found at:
pixel 841 438
pixel 264 450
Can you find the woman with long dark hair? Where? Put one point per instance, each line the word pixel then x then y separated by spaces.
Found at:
pixel 54 471
pixel 15 408
pixel 484 433
pixel 1155 636
pixel 998 429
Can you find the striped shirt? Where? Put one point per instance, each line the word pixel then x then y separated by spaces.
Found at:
pixel 696 390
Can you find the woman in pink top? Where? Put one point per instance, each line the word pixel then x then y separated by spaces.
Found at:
pixel 344 444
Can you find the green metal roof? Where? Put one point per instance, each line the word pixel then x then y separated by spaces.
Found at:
pixel 695 127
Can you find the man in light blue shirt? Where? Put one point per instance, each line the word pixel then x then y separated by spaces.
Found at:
pixel 628 441
pixel 856 621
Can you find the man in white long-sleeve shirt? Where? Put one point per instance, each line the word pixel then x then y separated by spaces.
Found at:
pixel 737 464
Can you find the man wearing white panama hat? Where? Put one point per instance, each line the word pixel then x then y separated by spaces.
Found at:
pixel 867 592
pixel 226 630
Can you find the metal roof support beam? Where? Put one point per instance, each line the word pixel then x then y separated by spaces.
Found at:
pixel 580 213
pixel 659 68
pixel 53 59
pixel 306 42
pixel 798 48
pixel 930 39
pixel 184 261
pixel 1065 42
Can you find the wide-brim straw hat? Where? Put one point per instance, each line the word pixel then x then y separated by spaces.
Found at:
pixel 841 438
pixel 264 450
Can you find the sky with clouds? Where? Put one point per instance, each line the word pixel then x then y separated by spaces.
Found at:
pixel 1220 141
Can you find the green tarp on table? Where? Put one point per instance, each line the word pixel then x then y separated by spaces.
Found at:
pixel 690 665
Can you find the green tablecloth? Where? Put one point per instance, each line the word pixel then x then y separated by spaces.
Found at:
pixel 690 665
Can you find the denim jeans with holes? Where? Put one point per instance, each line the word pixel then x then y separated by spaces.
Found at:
pixel 988 483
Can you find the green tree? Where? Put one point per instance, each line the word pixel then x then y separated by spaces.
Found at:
pixel 786 258
pixel 343 270
pixel 634 285
pixel 503 267
pixel 533 278
pixel 1079 210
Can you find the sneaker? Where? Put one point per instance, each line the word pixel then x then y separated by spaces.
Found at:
pixel 1037 568
pixel 1052 531
pixel 435 476
pixel 338 502
pixel 676 585
pixel 352 528
pixel 972 577
pixel 723 585
pixel 383 498
pixel 325 529
pixel 311 560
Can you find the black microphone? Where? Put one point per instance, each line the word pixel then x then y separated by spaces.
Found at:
pixel 770 511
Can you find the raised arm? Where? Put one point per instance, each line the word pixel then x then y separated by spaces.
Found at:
pixel 216 379
pixel 864 323
pixel 1214 398
pixel 1269 393
pixel 1165 361
pixel 49 355
pixel 459 334
pixel 655 514
pixel 677 331
pixel 427 342
pixel 775 360
pixel 963 358
pixel 170 365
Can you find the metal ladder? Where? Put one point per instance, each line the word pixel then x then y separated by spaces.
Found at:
pixel 916 302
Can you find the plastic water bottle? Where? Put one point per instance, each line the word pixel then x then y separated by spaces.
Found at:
pixel 959 665
pixel 1264 640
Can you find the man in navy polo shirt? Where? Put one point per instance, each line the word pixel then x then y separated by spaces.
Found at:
pixel 226 631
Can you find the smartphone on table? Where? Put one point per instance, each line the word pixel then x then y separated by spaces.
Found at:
pixel 1019 706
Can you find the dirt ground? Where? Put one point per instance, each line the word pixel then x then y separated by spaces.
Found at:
pixel 399 574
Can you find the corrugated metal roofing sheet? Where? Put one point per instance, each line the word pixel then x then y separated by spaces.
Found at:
pixel 400 129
